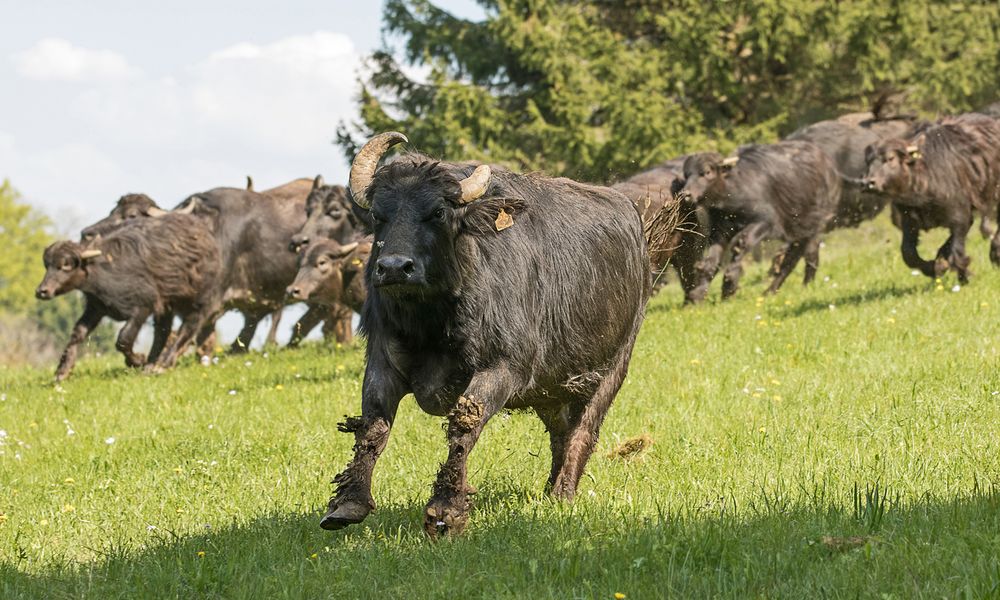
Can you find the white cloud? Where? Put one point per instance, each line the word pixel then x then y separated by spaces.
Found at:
pixel 54 59
pixel 265 109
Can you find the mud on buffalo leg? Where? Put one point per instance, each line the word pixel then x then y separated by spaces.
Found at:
pixel 448 509
pixel 793 252
pixel 381 392
pixel 911 237
pixel 745 241
pixel 812 260
pixel 126 338
pixel 161 331
pixel 91 317
pixel 306 323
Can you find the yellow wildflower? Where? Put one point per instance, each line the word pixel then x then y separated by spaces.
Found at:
pixel 775 382
pixel 776 398
pixel 984 305
pixel 279 387
pixel 178 470
pixel 314 556
pixel 180 511
pixel 69 481
pixel 68 508
pixel 3 518
pixel 890 320
pixel 695 361
pixel 34 425
pixel 619 596
pixel 201 554
pixel 43 522
pixel 762 430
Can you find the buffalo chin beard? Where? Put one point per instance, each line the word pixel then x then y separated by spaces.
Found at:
pixel 406 291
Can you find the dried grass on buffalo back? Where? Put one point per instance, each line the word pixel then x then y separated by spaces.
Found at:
pixel 659 230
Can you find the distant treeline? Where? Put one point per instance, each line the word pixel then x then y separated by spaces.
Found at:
pixel 599 89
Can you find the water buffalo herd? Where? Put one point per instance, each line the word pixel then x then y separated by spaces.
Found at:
pixel 481 289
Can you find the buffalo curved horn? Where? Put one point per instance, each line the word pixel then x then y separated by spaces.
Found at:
pixel 156 211
pixel 729 161
pixel 474 186
pixel 189 208
pixel 249 183
pixel 912 149
pixel 366 161
pixel 318 182
pixel 348 248
pixel 88 254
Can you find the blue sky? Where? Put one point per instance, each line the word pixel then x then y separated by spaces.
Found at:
pixel 106 97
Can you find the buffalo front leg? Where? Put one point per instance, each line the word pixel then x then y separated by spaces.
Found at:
pixel 91 317
pixel 126 338
pixel 352 499
pixel 448 509
pixel 908 247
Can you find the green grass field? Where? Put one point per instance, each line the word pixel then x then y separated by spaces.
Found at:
pixel 836 441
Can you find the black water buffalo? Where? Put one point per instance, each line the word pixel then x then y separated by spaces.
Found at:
pixel 787 191
pixel 488 290
pixel 150 267
pixel 332 274
pixel 252 230
pixel 939 176
pixel 650 191
pixel 844 140
pixel 329 216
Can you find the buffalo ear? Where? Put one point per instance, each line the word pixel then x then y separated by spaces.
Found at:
pixel 913 150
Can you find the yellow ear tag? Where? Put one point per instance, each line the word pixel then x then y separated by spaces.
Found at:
pixel 504 220
pixel 358 262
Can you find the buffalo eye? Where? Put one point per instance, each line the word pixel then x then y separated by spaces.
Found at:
pixel 440 213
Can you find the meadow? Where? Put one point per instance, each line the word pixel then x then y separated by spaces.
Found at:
pixel 832 441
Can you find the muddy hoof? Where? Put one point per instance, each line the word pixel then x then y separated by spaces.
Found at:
pixel 441 520
pixel 346 513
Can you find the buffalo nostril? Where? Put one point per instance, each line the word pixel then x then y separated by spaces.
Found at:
pixel 379 270
pixel 408 267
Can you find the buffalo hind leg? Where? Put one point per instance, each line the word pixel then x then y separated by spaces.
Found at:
pixel 352 497
pixel 242 342
pixel 558 422
pixel 793 252
pixel 584 430
pixel 954 255
pixel 448 509
pixel 161 331
pixel 126 338
pixel 812 260
pixel 707 267
pixel 272 332
pixel 91 317
pixel 745 241
pixel 306 323
pixel 194 325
